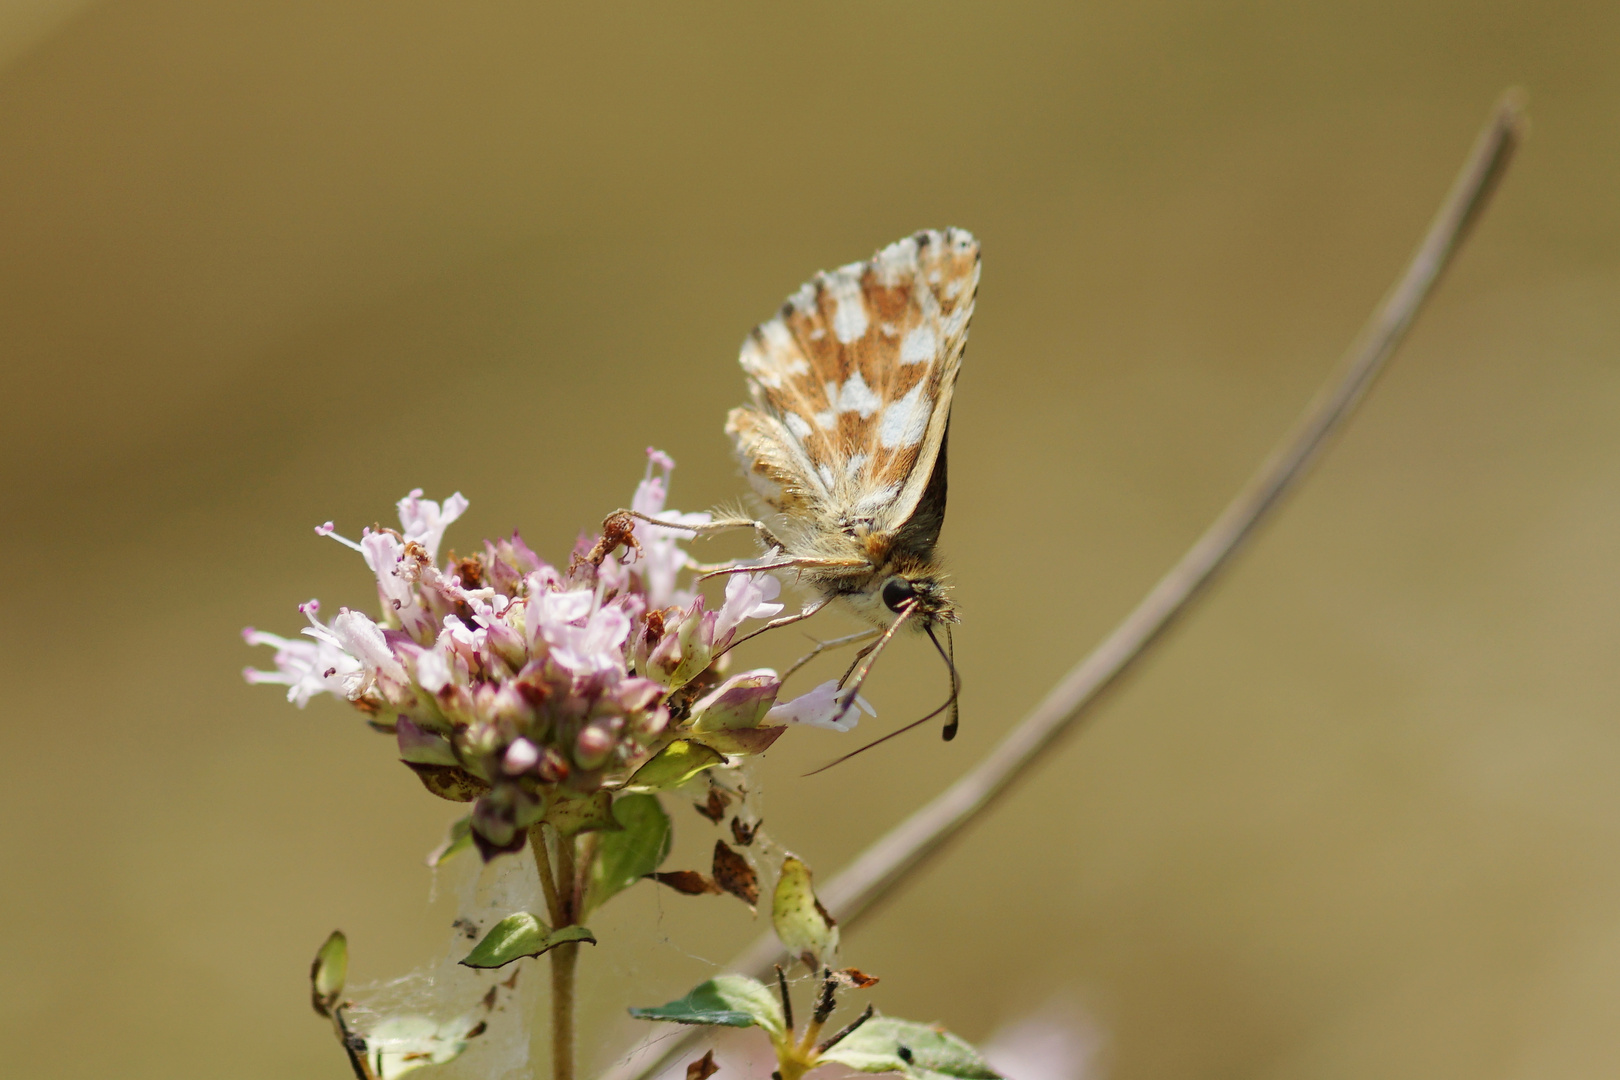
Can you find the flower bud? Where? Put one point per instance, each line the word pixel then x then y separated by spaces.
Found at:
pixel 650 724
pixel 494 825
pixel 596 741
pixel 520 757
pixel 740 702
pixel 696 636
pixel 553 767
pixel 660 663
pixel 506 644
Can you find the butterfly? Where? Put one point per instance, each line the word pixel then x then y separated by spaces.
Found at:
pixel 846 435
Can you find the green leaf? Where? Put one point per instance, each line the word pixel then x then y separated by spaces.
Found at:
pixel 624 857
pixel 674 765
pixel 572 814
pixel 403 1044
pixel 520 935
pixel 723 1001
pixel 801 923
pixel 920 1051
pixel 329 972
pixel 458 840
pixel 742 742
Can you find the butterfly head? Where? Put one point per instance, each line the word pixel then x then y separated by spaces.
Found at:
pixel 920 591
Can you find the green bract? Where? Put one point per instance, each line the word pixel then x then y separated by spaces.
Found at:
pixel 802 924
pixel 723 1001
pixel 886 1044
pixel 459 839
pixel 572 814
pixel 628 855
pixel 329 972
pixel 520 935
pixel 403 1044
pixel 674 765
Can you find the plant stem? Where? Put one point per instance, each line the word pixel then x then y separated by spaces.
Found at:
pixel 563 961
pixel 561 892
pixel 542 865
pixel 894 856
pixel 567 887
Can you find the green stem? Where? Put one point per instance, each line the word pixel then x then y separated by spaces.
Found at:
pixel 563 960
pixel 560 889
pixel 548 883
pixel 563 894
pixel 567 887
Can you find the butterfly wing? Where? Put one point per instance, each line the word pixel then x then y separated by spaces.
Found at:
pixel 852 385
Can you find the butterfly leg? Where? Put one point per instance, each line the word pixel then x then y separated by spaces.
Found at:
pixel 704 569
pixel 870 655
pixel 709 528
pixel 950 728
pixel 833 643
pixel 859 656
pixel 779 621
pixel 804 563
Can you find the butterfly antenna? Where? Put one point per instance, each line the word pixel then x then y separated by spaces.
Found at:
pixel 949 656
pixel 956 690
pixel 883 739
pixel 874 651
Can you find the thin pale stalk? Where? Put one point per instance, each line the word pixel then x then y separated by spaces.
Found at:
pixel 589 842
pixel 557 881
pixel 548 881
pixel 889 861
pixel 567 892
pixel 564 959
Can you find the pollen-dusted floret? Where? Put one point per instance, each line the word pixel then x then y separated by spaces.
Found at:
pixel 521 686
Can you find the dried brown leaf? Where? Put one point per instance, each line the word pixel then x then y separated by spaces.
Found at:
pixel 703 1068
pixel 689 882
pixel 733 874
pixel 855 977
pixel 449 781
pixel 715 808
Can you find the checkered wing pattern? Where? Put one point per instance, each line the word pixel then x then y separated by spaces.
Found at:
pixel 852 385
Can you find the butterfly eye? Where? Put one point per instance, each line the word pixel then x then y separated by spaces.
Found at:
pixel 896 591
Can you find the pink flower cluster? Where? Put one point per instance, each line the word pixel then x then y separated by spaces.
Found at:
pixel 530 689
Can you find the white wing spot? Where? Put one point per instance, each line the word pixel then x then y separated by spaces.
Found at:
pixel 818 333
pixel 874 501
pixel 857 397
pixel 919 346
pixel 825 472
pixel 759 365
pixel 798 425
pixel 826 420
pixel 896 261
pixel 849 311
pixel 857 462
pixel 772 356
pixel 905 421
pixel 777 336
pixel 889 329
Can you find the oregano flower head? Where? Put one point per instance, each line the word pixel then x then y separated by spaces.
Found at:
pixel 531 689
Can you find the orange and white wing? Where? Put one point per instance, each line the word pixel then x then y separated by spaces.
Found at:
pixel 852 382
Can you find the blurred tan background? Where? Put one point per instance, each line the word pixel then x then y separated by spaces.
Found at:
pixel 266 264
